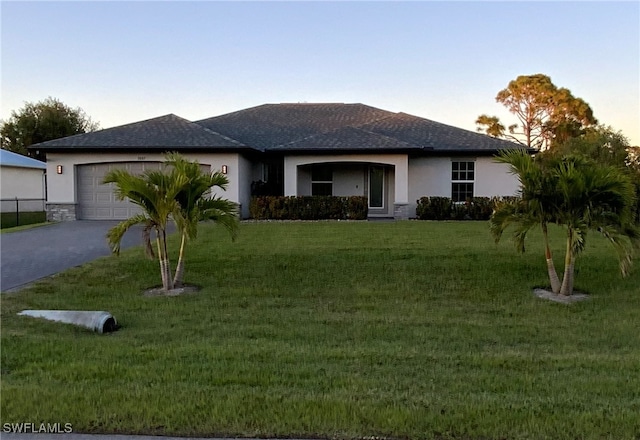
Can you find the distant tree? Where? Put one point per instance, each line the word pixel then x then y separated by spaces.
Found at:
pixel 40 122
pixel 546 114
pixel 602 144
pixel 607 147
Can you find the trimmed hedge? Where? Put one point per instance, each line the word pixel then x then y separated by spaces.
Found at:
pixel 443 208
pixel 308 208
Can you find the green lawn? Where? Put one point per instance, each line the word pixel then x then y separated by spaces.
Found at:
pixel 335 330
pixel 11 219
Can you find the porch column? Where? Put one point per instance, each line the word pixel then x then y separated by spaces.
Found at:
pixel 290 177
pixel 401 203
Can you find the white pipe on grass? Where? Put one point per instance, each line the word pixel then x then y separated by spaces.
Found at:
pixel 99 321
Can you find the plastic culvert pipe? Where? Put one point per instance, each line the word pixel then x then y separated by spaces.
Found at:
pixel 98 321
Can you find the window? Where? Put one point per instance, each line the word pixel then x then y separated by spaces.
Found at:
pixel 321 180
pixel 462 178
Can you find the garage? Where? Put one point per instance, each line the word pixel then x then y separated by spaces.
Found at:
pixel 97 201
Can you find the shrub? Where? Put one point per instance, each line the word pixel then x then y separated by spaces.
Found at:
pixel 434 208
pixel 357 208
pixel 308 208
pixel 442 208
pixel 480 208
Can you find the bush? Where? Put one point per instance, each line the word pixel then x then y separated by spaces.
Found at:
pixel 434 208
pixel 308 208
pixel 357 208
pixel 442 208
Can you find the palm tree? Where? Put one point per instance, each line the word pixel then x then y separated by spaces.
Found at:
pixel 574 192
pixel 155 192
pixel 533 208
pixel 598 198
pixel 195 204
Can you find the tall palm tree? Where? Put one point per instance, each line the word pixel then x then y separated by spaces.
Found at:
pixel 155 192
pixel 533 208
pixel 196 204
pixel 574 192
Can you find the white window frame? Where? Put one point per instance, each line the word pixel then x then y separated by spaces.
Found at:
pixel 384 181
pixel 466 171
pixel 322 181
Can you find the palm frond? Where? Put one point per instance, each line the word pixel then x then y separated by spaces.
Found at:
pixel 221 211
pixel 115 234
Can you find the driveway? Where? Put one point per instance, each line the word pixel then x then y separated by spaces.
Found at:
pixel 31 254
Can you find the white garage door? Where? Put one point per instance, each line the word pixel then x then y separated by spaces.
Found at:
pixel 97 201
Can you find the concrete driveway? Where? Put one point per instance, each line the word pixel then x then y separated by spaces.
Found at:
pixel 31 254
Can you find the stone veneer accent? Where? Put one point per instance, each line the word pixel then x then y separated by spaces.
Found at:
pixel 61 212
pixel 401 211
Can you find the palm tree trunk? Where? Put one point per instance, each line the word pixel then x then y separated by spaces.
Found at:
pixel 569 262
pixel 177 279
pixel 166 263
pixel 163 272
pixel 551 269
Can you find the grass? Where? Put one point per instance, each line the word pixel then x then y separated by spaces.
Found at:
pixel 22 228
pixel 335 330
pixel 11 220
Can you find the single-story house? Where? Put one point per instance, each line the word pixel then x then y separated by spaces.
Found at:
pixel 290 149
pixel 21 178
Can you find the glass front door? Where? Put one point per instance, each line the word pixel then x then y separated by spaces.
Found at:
pixel 376 187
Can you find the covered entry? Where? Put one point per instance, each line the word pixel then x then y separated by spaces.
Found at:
pixel 383 178
pixel 349 179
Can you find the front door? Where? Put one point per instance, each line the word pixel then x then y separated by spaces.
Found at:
pixel 376 189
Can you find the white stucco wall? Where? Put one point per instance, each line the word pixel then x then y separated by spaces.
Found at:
pixel 349 181
pixel 431 176
pixel 23 183
pixel 303 182
pixel 61 188
pixel 494 179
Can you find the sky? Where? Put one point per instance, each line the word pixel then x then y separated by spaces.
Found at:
pixel 124 62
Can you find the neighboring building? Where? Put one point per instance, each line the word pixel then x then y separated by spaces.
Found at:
pixel 291 149
pixel 21 178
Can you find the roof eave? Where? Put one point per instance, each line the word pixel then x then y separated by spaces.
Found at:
pixel 133 149
pixel 463 151
pixel 342 150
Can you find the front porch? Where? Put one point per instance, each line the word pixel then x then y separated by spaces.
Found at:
pixel 383 179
